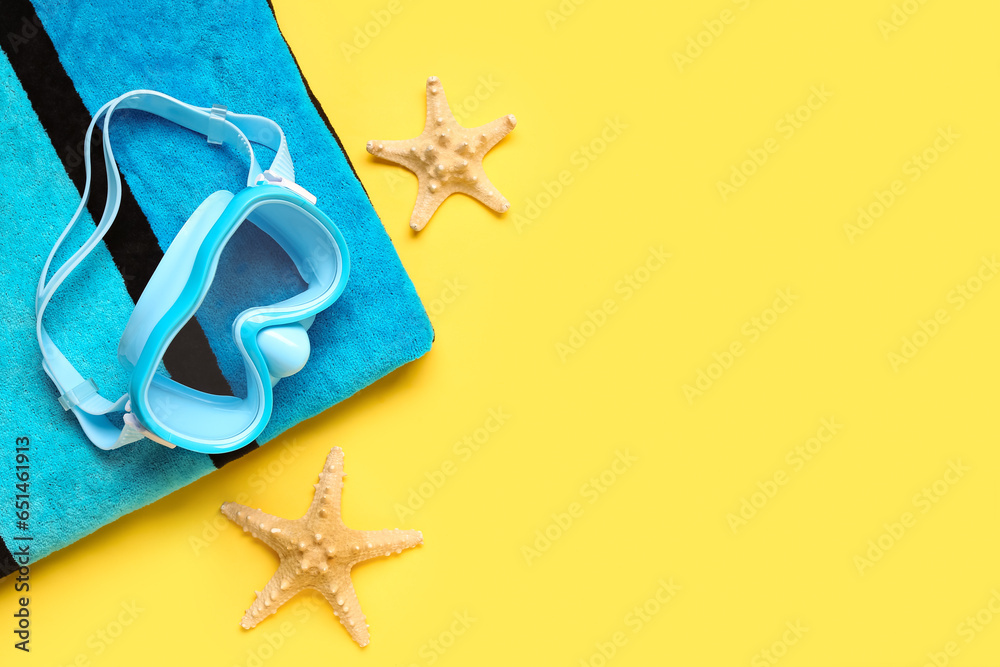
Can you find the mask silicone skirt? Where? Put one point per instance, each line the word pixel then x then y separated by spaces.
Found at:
pixel 272 338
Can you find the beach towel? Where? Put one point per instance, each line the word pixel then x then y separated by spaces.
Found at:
pixel 62 59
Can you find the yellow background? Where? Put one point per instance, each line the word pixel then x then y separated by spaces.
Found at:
pixel 521 288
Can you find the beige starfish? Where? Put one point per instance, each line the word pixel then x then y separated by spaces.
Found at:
pixel 318 551
pixel 447 158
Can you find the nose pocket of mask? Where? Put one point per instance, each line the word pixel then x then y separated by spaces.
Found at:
pixel 285 348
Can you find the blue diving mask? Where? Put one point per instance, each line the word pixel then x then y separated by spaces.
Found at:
pixel 272 339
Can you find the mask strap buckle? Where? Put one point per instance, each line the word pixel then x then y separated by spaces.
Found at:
pixel 216 125
pixel 78 394
pixel 269 177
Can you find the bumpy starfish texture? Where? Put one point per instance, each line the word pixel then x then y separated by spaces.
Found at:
pixel 318 551
pixel 447 158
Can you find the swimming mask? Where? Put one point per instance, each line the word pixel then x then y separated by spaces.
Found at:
pixel 272 339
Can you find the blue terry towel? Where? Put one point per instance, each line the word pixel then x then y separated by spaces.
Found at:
pixel 58 68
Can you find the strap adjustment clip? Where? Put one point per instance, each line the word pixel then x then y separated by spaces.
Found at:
pixel 78 394
pixel 270 178
pixel 216 124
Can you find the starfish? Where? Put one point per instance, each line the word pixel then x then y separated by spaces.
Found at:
pixel 318 551
pixel 447 158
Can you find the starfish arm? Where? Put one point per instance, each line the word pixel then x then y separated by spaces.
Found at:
pixel 438 111
pixel 375 543
pixel 427 203
pixel 484 190
pixel 340 594
pixel 489 135
pixel 279 590
pixel 273 531
pixel 397 152
pixel 326 502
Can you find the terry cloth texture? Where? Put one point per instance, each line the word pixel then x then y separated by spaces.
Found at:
pixel 58 67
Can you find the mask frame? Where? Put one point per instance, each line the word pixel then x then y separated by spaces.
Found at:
pixel 272 339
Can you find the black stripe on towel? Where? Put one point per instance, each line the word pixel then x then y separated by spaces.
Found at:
pixel 317 105
pixel 133 245
pixel 7 564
